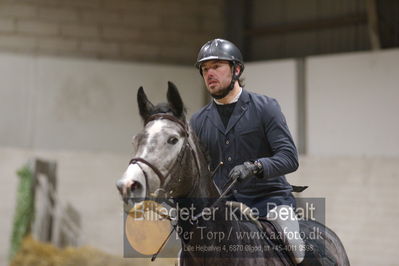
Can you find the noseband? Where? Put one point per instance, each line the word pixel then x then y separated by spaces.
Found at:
pixel 186 144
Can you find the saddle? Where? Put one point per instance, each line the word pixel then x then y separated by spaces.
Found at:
pixel 275 234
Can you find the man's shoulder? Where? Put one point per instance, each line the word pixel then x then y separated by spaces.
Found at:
pixel 200 113
pixel 198 117
pixel 262 101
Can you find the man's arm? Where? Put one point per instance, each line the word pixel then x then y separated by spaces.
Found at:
pixel 285 157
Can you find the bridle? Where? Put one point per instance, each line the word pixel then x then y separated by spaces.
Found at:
pixel 179 160
pixel 186 145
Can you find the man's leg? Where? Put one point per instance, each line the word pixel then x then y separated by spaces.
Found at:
pixel 285 217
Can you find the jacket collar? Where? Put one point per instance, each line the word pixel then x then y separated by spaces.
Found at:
pixel 240 108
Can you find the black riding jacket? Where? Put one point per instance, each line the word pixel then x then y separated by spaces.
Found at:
pixel 256 130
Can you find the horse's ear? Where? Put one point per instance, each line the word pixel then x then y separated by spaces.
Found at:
pixel 145 106
pixel 175 100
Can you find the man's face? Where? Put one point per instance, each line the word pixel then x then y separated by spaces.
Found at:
pixel 217 76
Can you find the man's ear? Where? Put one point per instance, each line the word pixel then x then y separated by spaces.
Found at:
pixel 175 100
pixel 237 68
pixel 145 106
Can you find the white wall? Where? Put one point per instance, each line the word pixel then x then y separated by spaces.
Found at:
pixel 80 104
pixel 276 79
pixel 361 202
pixel 353 102
pixel 75 104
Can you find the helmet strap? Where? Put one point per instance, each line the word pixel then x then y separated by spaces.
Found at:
pixel 234 76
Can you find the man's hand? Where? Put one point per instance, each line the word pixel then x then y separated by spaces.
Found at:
pixel 245 170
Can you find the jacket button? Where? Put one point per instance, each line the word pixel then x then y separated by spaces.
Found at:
pixel 229 158
pixel 235 191
pixel 227 142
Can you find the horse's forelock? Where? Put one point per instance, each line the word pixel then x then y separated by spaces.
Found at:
pixel 165 108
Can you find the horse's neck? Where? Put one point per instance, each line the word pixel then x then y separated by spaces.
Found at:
pixel 204 186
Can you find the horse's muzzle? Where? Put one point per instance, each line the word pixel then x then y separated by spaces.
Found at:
pixel 132 184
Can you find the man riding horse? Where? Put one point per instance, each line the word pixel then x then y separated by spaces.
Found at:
pixel 248 140
pixel 247 137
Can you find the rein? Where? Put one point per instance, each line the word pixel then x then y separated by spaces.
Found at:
pixel 199 215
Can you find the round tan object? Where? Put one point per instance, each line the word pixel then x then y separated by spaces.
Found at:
pixel 147 227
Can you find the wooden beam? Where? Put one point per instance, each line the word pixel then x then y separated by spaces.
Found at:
pixel 247 40
pixel 301 106
pixel 372 15
pixel 238 14
pixel 234 19
pixel 310 25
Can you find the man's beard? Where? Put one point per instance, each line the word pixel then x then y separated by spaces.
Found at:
pixel 222 93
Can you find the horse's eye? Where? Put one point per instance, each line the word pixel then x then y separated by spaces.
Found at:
pixel 173 140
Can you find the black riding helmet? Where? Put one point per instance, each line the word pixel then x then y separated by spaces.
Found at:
pixel 220 49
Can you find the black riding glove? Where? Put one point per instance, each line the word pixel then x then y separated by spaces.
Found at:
pixel 245 170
